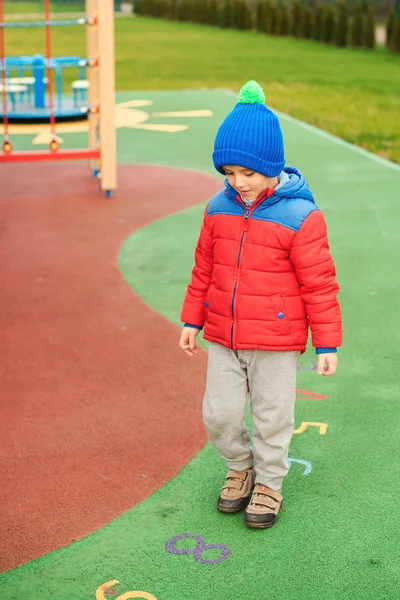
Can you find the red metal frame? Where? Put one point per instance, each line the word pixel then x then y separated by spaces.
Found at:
pixel 45 156
pixel 49 69
pixel 3 72
pixel 38 156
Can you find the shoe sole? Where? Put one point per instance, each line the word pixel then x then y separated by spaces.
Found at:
pixel 260 525
pixel 231 511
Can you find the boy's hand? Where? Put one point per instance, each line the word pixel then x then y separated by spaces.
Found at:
pixel 327 363
pixel 188 340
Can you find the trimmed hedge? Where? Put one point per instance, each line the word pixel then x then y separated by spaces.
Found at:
pixel 242 15
pixel 324 21
pixel 329 26
pixel 357 26
pixel 273 23
pixel 295 22
pixel 283 20
pixel 341 32
pixel 262 16
pixel 307 22
pixel 395 40
pixel 369 34
pixel 319 20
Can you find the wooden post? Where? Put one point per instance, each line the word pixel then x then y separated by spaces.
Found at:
pixel 92 52
pixel 107 94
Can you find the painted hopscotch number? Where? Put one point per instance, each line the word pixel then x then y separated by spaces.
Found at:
pixel 314 367
pixel 109 590
pixel 306 395
pixel 306 424
pixel 198 550
pixel 307 465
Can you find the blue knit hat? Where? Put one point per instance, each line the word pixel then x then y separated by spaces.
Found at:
pixel 250 136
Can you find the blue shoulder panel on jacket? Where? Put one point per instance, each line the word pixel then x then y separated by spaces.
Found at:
pixel 289 212
pixel 221 204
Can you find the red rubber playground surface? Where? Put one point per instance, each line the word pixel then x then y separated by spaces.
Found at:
pixel 91 377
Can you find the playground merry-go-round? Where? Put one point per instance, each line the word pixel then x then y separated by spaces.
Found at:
pixel 33 90
pixel 26 87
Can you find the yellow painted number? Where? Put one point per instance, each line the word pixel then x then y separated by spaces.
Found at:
pixel 135 594
pixel 305 424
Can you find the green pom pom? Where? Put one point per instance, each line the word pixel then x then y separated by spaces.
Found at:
pixel 251 93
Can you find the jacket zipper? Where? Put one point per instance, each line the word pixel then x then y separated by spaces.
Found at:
pixel 246 220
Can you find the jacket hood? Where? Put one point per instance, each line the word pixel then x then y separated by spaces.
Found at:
pixel 296 187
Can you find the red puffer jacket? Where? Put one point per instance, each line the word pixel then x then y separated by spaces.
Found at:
pixel 263 274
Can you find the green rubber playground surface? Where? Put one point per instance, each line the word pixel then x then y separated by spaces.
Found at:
pixel 337 538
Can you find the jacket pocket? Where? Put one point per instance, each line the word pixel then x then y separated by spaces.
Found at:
pixel 281 315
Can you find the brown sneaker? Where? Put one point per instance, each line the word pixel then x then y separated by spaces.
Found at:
pixel 264 507
pixel 236 491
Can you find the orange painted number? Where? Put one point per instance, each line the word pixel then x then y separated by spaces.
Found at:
pixel 306 395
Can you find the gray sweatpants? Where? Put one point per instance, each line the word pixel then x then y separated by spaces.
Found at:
pixel 270 379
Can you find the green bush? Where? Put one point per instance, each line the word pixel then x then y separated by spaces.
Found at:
pixel 184 10
pixel 225 13
pixel 145 7
pixel 273 19
pixel 395 41
pixel 357 26
pixel 307 19
pixel 370 26
pixel 139 8
pixel 341 33
pixel 159 8
pixel 169 11
pixel 196 13
pixel 211 16
pixel 262 15
pixel 243 17
pixel 283 20
pixel 231 12
pixel 295 22
pixel 329 26
pixel 389 28
pixel 318 30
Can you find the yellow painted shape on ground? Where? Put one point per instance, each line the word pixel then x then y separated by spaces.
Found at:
pixel 134 594
pixel 44 138
pixel 305 424
pixel 126 115
pixel 165 128
pixel 138 594
pixel 185 113
pixel 136 103
pixel 100 590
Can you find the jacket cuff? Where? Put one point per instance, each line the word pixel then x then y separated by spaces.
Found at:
pixel 325 350
pixel 193 326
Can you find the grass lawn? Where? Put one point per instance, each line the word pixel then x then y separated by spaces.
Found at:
pixel 38 7
pixel 354 94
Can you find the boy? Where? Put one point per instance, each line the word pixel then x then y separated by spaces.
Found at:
pixel 263 273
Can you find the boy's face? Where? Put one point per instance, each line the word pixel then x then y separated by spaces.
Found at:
pixel 248 183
